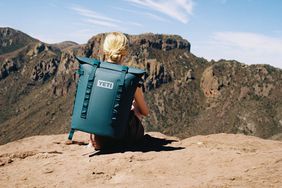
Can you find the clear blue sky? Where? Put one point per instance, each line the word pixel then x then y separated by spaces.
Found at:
pixel 249 31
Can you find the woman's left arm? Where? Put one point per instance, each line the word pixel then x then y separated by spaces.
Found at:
pixel 140 101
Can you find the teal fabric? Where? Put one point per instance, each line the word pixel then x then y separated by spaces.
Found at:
pixel 106 65
pixel 104 95
pixel 89 89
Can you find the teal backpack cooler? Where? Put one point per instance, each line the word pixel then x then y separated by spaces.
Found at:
pixel 104 96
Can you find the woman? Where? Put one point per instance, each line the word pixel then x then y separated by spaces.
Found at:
pixel 115 49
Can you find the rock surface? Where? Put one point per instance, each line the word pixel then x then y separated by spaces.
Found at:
pixel 219 160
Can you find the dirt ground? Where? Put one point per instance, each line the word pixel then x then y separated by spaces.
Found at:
pixel 219 160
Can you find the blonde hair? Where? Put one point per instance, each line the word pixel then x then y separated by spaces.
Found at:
pixel 115 46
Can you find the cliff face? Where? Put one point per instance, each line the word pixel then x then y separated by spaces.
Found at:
pixel 187 95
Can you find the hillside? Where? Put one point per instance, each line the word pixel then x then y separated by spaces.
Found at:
pixel 12 40
pixel 220 160
pixel 187 95
pixel 64 45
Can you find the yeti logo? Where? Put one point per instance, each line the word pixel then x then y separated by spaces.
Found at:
pixel 105 84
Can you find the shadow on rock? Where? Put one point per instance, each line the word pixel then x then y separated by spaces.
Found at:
pixel 148 144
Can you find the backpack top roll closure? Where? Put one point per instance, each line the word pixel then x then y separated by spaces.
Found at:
pixel 111 66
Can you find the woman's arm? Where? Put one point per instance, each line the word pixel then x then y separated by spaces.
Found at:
pixel 140 101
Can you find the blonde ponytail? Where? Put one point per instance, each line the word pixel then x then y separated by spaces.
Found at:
pixel 115 46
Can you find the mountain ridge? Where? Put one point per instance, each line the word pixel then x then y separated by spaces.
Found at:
pixel 187 95
pixel 11 39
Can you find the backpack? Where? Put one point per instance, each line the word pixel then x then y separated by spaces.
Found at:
pixel 104 96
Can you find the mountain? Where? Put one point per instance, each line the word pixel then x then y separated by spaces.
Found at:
pixel 187 95
pixel 65 44
pixel 219 160
pixel 12 40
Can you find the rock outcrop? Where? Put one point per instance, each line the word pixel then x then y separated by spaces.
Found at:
pixel 7 67
pixel 45 69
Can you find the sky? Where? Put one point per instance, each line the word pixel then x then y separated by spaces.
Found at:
pixel 249 31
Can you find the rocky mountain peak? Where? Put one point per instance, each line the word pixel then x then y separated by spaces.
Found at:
pixel 11 40
pixel 163 42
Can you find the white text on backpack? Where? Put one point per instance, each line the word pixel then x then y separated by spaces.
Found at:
pixel 105 84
